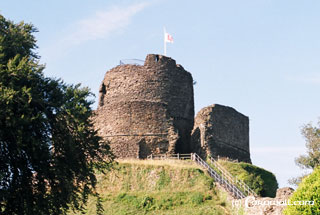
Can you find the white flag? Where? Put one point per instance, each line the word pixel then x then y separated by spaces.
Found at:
pixel 168 38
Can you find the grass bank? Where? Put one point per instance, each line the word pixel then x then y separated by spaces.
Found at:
pixel 162 187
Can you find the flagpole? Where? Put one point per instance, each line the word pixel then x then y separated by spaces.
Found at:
pixel 164 41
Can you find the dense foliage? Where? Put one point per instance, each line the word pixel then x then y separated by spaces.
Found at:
pixel 49 149
pixel 263 182
pixel 308 190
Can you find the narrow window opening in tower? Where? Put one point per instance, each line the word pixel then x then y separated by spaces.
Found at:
pixel 157 58
pixel 102 92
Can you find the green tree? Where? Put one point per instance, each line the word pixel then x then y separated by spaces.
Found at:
pixel 312 137
pixel 312 159
pixel 308 191
pixel 49 150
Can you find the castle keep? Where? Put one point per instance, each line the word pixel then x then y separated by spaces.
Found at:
pixel 149 109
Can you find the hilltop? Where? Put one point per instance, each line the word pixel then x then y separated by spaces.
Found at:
pixel 161 187
pixel 166 187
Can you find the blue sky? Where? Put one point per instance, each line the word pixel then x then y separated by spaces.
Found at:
pixel 259 56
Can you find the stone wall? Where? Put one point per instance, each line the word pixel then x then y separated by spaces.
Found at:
pixel 146 109
pixel 149 109
pixel 221 131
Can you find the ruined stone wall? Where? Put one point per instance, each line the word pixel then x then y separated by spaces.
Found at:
pixel 221 131
pixel 140 105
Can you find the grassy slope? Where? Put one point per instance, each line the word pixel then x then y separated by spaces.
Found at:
pixel 263 182
pixel 158 187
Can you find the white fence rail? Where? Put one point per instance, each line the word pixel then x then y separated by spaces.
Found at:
pixel 170 156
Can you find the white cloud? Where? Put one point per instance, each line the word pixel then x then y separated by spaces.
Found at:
pixel 100 25
pixel 103 23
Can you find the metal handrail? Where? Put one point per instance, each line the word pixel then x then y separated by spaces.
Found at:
pixel 237 193
pixel 131 61
pixel 238 182
pixel 222 176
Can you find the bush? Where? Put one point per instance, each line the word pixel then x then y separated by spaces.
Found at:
pixel 263 182
pixel 308 190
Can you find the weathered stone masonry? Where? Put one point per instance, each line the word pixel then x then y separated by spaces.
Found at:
pixel 221 131
pixel 140 105
pixel 149 109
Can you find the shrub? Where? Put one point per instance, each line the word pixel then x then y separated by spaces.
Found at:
pixel 308 190
pixel 263 182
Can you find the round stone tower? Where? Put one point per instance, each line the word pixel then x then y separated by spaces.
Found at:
pixel 146 109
